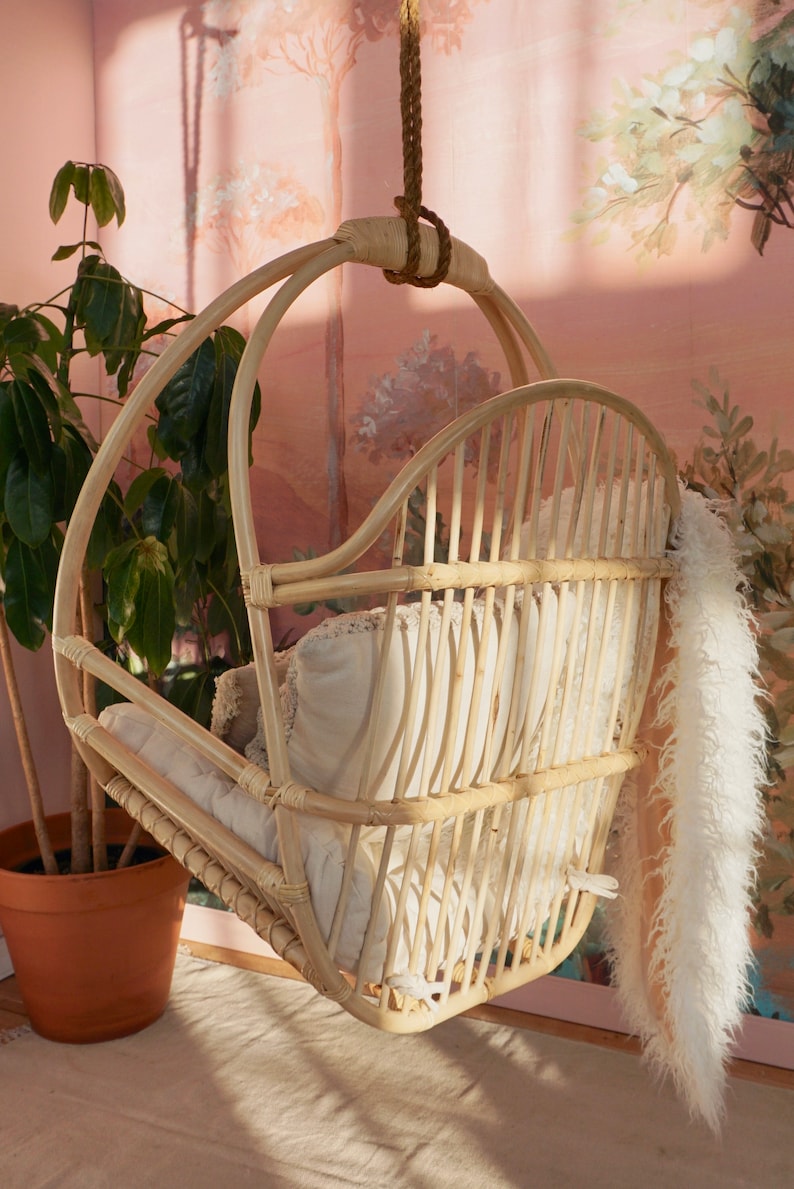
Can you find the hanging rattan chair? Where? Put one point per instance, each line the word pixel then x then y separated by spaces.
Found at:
pixel 426 823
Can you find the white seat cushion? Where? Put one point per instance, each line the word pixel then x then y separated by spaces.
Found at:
pixel 324 849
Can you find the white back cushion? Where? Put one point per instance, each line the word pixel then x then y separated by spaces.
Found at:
pixel 329 696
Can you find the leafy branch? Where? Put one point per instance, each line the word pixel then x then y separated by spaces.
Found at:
pixel 718 124
pixel 751 485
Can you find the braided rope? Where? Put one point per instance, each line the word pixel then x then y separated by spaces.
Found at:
pixel 409 204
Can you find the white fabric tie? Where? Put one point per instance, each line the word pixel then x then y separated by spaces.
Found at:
pixel 417 986
pixel 599 885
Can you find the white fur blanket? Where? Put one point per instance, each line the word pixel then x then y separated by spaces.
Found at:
pixel 679 932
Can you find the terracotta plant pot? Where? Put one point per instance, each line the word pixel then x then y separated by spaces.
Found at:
pixel 93 954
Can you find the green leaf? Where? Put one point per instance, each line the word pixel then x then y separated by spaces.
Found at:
pixel 226 363
pixel 126 369
pixel 231 561
pixel 100 197
pixel 29 501
pixel 122 577
pixel 32 425
pixel 207 533
pixel 187 592
pixel 186 526
pixel 10 441
pixel 140 488
pixel 67 250
pixel 78 459
pixel 151 633
pixel 166 325
pixel 105 532
pixel 127 337
pixel 193 690
pixel 229 347
pixel 216 445
pixel 59 193
pixel 23 331
pixel 160 508
pixel 80 183
pixel 155 445
pixel 49 401
pixel 224 613
pixel 30 588
pixel 58 468
pixel 117 194
pixel 98 301
pixel 228 614
pixel 51 342
pixel 196 474
pixel 184 402
pixel 73 416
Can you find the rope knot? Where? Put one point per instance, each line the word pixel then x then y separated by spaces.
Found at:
pixel 598 885
pixel 417 987
pixel 409 204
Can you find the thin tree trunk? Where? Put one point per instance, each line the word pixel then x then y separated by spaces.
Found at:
pixel 130 846
pixel 25 750
pixel 78 801
pixel 334 333
pixel 97 794
pixel 81 826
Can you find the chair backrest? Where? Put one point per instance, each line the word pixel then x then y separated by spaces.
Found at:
pixel 470 724
pixel 510 564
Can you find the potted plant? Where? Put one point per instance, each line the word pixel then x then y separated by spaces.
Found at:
pixel 161 564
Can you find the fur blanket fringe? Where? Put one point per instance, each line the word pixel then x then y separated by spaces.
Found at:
pixel 679 932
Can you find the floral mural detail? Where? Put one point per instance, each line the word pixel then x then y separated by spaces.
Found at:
pixel 239 211
pixel 403 409
pixel 711 132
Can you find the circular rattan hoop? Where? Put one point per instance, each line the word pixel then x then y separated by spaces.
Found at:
pixel 381 242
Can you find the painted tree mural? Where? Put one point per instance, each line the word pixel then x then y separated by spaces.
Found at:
pixel 711 132
pixel 242 210
pixel 320 40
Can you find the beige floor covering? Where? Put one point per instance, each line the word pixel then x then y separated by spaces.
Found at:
pixel 249 1080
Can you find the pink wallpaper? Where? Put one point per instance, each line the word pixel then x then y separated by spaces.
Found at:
pixel 39 79
pixel 241 129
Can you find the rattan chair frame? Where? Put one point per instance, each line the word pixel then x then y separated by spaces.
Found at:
pixel 274 899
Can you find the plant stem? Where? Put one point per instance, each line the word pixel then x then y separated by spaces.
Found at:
pixel 81 850
pixel 78 795
pixel 97 794
pixel 130 846
pixel 25 750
